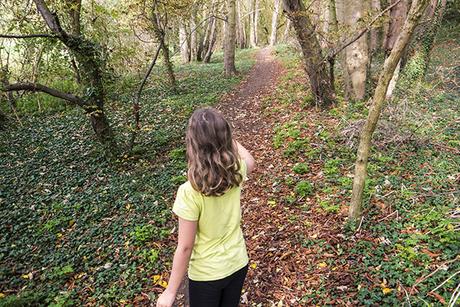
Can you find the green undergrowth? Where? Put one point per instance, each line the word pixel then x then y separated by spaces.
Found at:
pixel 409 240
pixel 76 229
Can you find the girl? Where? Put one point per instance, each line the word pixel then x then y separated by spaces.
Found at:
pixel 208 207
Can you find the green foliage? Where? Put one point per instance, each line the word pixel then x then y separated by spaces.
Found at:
pixel 67 214
pixel 328 207
pixel 300 168
pixel 304 188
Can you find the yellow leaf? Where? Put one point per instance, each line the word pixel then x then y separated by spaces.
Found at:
pixel 27 276
pixel 386 290
pixel 450 227
pixel 253 265
pixel 163 283
pixel 59 235
pixel 322 265
pixel 156 278
pixel 271 202
pixel 128 206
pixel 2 295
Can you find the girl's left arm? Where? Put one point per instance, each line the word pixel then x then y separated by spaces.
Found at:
pixel 187 231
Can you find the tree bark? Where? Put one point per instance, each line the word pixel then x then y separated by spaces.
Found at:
pixel 183 43
pixel 253 22
pixel 276 11
pixel 90 62
pixel 229 44
pixel 241 34
pixel 420 51
pixel 375 33
pixel 378 99
pixel 341 18
pixel 212 41
pixel 286 31
pixel 397 16
pixel 315 66
pixel 357 56
pixel 159 33
pixel 193 37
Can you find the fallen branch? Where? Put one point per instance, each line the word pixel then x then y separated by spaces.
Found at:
pixel 36 87
pixel 20 36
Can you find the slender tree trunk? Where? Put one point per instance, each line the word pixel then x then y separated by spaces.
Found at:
pixel 334 28
pixel 315 65
pixel 88 57
pixel 389 66
pixel 286 31
pixel 397 16
pixel 341 18
pixel 253 22
pixel 375 33
pixel 183 43
pixel 212 41
pixel 256 21
pixel 159 33
pixel 276 11
pixel 241 35
pixel 229 44
pixel 357 56
pixel 193 38
pixel 419 54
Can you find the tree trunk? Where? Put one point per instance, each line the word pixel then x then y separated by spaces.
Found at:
pixel 88 57
pixel 286 31
pixel 419 53
pixel 368 129
pixel 212 41
pixel 193 38
pixel 334 28
pixel 229 44
pixel 159 33
pixel 275 22
pixel 375 33
pixel 357 56
pixel 241 35
pixel 315 65
pixel 253 21
pixel 183 43
pixel 341 18
pixel 397 16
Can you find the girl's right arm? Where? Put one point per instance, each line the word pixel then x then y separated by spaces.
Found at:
pixel 187 231
pixel 247 157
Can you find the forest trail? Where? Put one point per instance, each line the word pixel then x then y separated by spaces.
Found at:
pixel 277 259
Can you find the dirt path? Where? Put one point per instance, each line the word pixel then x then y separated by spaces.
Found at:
pixel 286 243
pixel 264 221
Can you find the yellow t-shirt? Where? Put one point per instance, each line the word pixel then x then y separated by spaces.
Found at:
pixel 219 249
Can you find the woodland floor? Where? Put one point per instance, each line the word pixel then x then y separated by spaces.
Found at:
pixel 279 264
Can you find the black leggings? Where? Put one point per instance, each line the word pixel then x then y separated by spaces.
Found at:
pixel 224 292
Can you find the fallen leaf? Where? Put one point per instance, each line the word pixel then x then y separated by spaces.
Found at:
pixel 322 265
pixel 386 290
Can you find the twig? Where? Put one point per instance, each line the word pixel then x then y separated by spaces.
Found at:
pixel 357 36
pixel 360 223
pixel 445 281
pixel 455 296
pixel 38 35
pixel 382 219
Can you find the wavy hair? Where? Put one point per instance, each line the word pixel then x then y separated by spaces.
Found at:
pixel 213 160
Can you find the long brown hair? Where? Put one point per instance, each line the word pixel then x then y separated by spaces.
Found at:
pixel 213 160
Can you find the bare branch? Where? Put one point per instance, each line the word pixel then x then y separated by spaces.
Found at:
pixel 45 35
pixel 354 38
pixel 36 87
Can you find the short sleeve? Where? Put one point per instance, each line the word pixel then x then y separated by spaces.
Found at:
pixel 243 169
pixel 185 206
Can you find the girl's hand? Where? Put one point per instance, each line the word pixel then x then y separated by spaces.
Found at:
pixel 166 299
